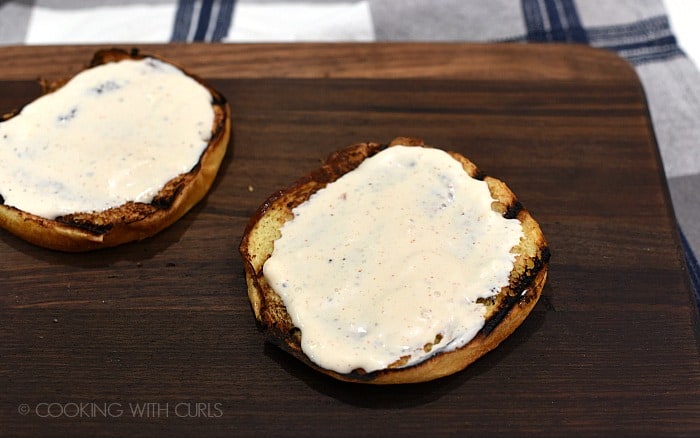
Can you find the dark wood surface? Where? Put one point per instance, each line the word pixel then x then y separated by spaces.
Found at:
pixel 611 346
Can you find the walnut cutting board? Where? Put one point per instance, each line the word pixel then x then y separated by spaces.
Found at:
pixel 611 346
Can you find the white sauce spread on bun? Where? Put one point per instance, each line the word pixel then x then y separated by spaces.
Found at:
pixel 390 260
pixel 114 133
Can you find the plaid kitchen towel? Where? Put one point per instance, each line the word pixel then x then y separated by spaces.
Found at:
pixel 638 30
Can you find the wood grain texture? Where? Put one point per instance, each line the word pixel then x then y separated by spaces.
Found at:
pixel 355 60
pixel 611 346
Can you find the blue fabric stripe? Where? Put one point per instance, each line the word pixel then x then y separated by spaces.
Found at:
pixel 658 55
pixel 223 20
pixel 183 21
pixel 533 20
pixel 203 22
pixel 640 42
pixel 564 22
pixel 650 26
pixel 661 43
pixel 576 31
pixel 556 29
pixel 693 267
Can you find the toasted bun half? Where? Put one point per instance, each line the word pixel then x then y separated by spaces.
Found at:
pixel 505 311
pixel 132 221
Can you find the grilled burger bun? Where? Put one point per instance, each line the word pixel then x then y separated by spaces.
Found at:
pixel 131 221
pixel 504 311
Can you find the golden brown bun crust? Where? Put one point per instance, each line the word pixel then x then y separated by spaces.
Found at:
pixel 134 220
pixel 505 312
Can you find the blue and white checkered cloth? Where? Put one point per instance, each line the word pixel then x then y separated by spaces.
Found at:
pixel 637 30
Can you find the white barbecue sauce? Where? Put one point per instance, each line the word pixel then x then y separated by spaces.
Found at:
pixel 379 262
pixel 114 133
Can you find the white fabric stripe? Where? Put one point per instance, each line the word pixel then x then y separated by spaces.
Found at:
pixel 196 10
pixel 546 25
pixel 641 51
pixel 625 35
pixel 216 6
pixel 301 21
pixel 132 23
pixel 561 15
